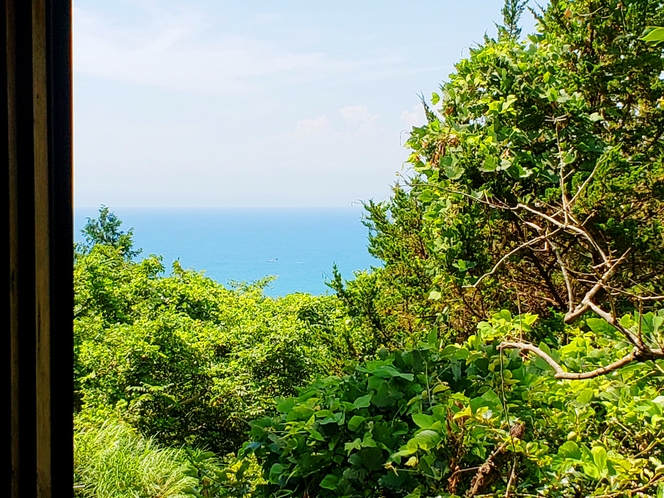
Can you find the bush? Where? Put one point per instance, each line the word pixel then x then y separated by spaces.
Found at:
pixel 469 419
pixel 188 361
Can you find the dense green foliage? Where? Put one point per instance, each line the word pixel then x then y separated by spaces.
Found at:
pixel 182 360
pixel 186 360
pixel 420 422
pixel 391 303
pixel 566 125
pixel 537 189
pixel 529 144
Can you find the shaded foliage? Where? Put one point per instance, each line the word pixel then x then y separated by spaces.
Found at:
pixel 391 303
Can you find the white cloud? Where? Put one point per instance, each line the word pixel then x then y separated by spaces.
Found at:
pixel 357 115
pixel 177 50
pixel 257 104
pixel 414 118
pixel 308 127
pixel 360 120
pixel 359 124
pixel 354 148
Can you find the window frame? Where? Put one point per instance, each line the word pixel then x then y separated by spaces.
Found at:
pixel 37 147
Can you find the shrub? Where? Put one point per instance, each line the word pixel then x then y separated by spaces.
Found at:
pixel 449 420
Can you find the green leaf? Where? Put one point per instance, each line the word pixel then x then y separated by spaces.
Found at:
pixel 585 397
pixel 423 421
pixel 355 445
pixel 450 167
pixel 275 472
pixel 426 196
pixel 489 165
pixel 508 102
pixel 426 439
pixel 407 451
pixel 316 435
pixel 363 401
pixel 599 458
pixel 388 371
pixel 355 422
pixel 569 449
pixel 654 35
pixel 432 339
pixel 330 482
pixel 286 405
pixel 600 326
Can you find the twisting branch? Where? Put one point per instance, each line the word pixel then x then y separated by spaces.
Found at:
pixel 562 374
pixel 552 225
pixel 489 471
pixel 502 260
pixel 600 284
pixel 611 320
pixel 566 226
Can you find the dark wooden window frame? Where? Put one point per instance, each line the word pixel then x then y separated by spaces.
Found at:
pixel 37 158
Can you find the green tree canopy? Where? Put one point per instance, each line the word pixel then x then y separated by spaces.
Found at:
pixel 538 176
pixel 105 230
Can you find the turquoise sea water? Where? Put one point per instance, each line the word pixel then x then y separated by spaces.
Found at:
pixel 299 246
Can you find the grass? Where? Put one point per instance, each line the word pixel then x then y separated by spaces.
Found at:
pixel 113 461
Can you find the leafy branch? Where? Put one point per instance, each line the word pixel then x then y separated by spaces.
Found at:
pixel 547 228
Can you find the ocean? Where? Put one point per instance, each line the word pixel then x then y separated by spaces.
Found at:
pixel 298 246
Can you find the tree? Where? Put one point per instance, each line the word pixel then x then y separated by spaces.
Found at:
pixel 511 11
pixel 186 360
pixel 105 230
pixel 543 169
pixel 539 185
pixel 391 302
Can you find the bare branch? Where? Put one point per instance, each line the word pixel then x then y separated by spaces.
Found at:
pixel 563 269
pixel 611 320
pixel 478 199
pixel 631 295
pixel 633 491
pixel 586 302
pixel 490 469
pixel 561 374
pixel 563 177
pixel 511 479
pixel 500 262
pixel 566 226
pixel 585 184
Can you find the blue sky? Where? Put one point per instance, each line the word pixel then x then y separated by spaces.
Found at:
pixel 212 103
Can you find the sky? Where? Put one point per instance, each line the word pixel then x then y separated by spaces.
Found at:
pixel 216 103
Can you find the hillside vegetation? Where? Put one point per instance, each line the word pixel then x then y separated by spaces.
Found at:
pixel 511 344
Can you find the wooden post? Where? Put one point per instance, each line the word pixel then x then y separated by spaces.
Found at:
pixel 37 157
